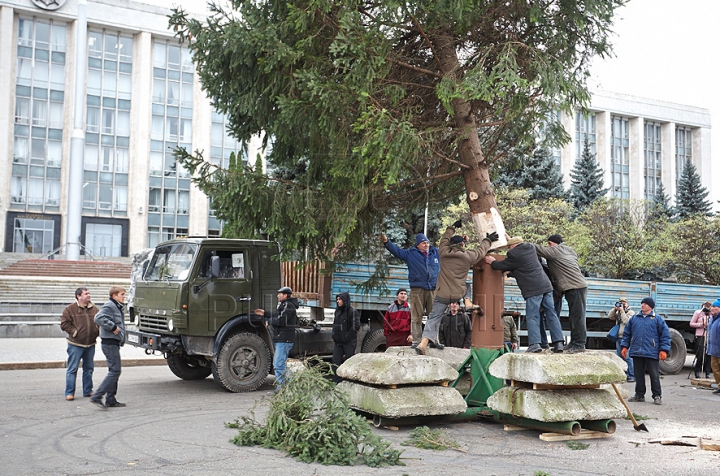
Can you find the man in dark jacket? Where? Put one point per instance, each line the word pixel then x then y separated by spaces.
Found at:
pixel 563 264
pixel 423 263
pixel 344 333
pixel 648 337
pixel 396 327
pixel 283 322
pixel 111 321
pixel 455 328
pixel 522 261
pixel 78 321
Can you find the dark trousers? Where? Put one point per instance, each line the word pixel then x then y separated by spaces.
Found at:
pixel 108 387
pixel 702 360
pixel 341 352
pixel 652 366
pixel 577 303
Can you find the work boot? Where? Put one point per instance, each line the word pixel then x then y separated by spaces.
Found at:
pixel 534 349
pixel 575 349
pixel 422 346
pixel 437 346
pixel 636 398
pixel 557 347
pixel 697 374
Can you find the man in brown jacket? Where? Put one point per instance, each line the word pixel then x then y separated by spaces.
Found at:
pixel 455 262
pixel 78 320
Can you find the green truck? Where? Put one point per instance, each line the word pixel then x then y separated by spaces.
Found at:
pixel 194 304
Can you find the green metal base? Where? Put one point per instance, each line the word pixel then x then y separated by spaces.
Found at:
pixel 483 384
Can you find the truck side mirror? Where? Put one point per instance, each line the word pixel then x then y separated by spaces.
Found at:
pixel 215 266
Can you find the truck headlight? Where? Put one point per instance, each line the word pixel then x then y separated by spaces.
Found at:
pixel 171 326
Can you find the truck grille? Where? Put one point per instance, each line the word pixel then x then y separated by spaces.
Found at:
pixel 156 323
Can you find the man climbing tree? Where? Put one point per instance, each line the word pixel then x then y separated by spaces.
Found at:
pixel 372 107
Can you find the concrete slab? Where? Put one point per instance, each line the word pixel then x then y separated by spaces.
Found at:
pixel 557 405
pixel 388 369
pixel 405 401
pixel 454 356
pixel 590 367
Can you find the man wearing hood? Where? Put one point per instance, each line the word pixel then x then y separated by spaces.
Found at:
pixel 423 263
pixel 456 262
pixel 283 322
pixel 344 332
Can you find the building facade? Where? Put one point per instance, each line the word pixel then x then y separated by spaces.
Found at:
pixel 141 98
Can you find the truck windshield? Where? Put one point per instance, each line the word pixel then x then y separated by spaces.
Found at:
pixel 171 262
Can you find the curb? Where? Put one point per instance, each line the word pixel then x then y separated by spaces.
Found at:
pixel 62 365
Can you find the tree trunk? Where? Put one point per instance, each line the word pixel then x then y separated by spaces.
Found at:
pixel 479 192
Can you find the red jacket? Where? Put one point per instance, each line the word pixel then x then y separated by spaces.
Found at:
pixel 397 319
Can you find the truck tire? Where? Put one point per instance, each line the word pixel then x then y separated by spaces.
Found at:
pixel 374 341
pixel 676 357
pixel 187 368
pixel 243 363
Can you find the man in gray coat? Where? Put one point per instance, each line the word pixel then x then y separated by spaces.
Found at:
pixel 522 261
pixel 563 264
pixel 112 336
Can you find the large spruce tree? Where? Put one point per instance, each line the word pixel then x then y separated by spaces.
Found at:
pixel 379 106
pixel 691 196
pixel 587 180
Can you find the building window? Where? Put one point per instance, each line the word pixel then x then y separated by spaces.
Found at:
pixel 39 115
pixel 584 129
pixel 683 149
pixel 620 157
pixel 653 159
pixel 33 236
pixel 171 126
pixel 107 126
pixel 222 147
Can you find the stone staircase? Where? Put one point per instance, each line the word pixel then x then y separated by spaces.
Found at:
pixel 33 293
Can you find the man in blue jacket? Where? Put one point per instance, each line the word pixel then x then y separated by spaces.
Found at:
pixel 423 263
pixel 713 341
pixel 648 337
pixel 111 321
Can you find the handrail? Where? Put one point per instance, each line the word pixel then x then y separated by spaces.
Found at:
pixel 51 254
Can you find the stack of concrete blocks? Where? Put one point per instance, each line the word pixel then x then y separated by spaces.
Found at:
pixel 549 387
pixel 453 356
pixel 397 386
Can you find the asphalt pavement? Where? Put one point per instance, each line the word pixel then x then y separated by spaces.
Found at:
pixel 176 427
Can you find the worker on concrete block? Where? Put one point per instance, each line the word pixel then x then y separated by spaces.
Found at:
pixel 562 261
pixel 455 262
pixel 522 261
pixel 455 328
pixel 396 325
pixel 423 263
pixel 648 337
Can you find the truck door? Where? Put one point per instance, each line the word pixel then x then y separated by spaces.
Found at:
pixel 228 295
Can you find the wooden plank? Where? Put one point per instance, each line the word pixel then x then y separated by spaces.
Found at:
pixel 702 382
pixel 548 386
pixel 584 435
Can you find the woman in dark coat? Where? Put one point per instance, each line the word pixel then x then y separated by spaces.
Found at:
pixel 344 333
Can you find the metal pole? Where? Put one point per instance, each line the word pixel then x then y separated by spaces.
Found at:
pixel 73 223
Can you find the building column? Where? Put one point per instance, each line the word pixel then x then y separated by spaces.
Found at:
pixel 669 167
pixel 7 113
pixel 603 130
pixel 140 116
pixel 202 130
pixel 567 153
pixel 702 159
pixel 636 160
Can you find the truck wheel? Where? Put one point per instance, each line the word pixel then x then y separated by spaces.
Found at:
pixel 374 341
pixel 676 357
pixel 243 363
pixel 187 368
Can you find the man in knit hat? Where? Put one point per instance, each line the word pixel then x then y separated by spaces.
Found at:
pixel 568 281
pixel 423 263
pixel 522 261
pixel 648 337
pixel 456 262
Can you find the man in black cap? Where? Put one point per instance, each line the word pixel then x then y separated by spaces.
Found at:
pixel 568 281
pixel 283 322
pixel 648 337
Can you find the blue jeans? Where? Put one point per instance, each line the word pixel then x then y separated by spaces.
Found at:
pixel 432 326
pixel 108 387
pixel 75 353
pixel 532 315
pixel 282 350
pixel 631 367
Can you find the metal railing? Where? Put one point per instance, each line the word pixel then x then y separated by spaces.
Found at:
pixel 88 254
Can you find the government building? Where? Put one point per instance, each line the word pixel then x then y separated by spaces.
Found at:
pixel 139 97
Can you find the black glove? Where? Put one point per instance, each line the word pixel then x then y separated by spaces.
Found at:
pixel 457 224
pixel 492 236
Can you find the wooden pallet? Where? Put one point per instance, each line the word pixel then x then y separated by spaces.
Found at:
pixel 584 435
pixel 703 382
